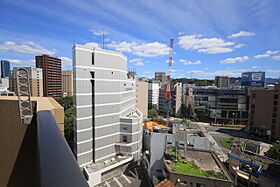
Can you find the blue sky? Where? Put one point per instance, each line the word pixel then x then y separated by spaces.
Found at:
pixel 217 37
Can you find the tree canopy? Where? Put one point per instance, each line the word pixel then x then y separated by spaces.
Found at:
pixel 274 151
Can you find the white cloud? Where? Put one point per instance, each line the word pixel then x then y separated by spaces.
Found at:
pixel 205 45
pixel 136 60
pixel 261 56
pixel 273 71
pixel 98 32
pixel 234 60
pixel 266 54
pixel 239 46
pixel 185 62
pixel 227 72
pixel 139 64
pixel 276 57
pixel 17 62
pixel 146 49
pixel 242 34
pixel 255 67
pixel 215 50
pixel 92 44
pixel 66 62
pixel 147 72
pixel 26 47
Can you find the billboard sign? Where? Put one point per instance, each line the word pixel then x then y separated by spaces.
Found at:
pixel 256 79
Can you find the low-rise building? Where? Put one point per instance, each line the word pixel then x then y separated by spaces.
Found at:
pixel 67 82
pixel 196 168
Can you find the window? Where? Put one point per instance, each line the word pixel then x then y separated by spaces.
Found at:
pixel 275 103
pixel 275 109
pixel 276 96
pixel 92 59
pixel 124 138
pixel 274 115
pixel 92 74
pixel 273 120
pixel 125 128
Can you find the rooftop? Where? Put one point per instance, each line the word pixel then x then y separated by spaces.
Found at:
pixel 195 162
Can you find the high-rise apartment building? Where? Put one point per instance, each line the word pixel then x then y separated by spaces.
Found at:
pixel 160 77
pixel 153 94
pixel 36 81
pixel 51 75
pixel 142 97
pixel 264 112
pixel 222 81
pixel 5 68
pixel 106 120
pixel 67 82
pixel 178 99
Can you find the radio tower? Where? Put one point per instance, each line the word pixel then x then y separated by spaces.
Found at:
pixel 169 73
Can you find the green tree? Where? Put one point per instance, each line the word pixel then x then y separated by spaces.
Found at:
pixel 152 113
pixel 66 102
pixel 274 151
pixel 69 125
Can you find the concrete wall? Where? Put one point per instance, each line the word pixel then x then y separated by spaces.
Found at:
pixel 18 142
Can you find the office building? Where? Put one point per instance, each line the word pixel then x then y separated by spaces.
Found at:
pixel 160 77
pixel 51 75
pixel 5 68
pixel 153 95
pixel 36 81
pixel 142 97
pixel 222 81
pixel 264 112
pixel 67 82
pixel 107 124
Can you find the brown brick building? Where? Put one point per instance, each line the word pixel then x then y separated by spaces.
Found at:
pixel 264 112
pixel 51 75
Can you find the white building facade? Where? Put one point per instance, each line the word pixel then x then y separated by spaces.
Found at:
pixel 153 94
pixel 106 120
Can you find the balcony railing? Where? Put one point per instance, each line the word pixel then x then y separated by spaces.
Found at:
pixel 44 158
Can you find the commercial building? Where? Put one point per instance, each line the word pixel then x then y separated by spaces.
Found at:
pixel 264 112
pixel 142 97
pixel 51 75
pixel 222 81
pixel 36 81
pixel 224 106
pixel 5 68
pixel 153 94
pixel 107 124
pixel 67 82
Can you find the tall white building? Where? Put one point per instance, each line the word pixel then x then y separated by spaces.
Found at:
pixel 106 120
pixel 153 94
pixel 178 99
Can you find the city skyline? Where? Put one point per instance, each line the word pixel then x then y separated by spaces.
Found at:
pixel 217 38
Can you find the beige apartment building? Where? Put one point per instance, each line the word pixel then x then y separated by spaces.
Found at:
pixel 36 80
pixel 67 82
pixel 142 97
